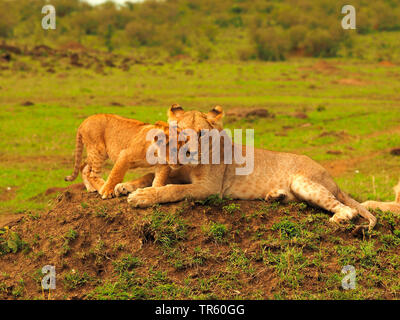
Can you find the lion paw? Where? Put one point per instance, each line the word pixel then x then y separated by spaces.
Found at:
pixel 143 198
pixel 276 195
pixel 106 192
pixel 121 189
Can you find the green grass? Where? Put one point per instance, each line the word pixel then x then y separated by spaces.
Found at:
pixel 164 228
pixel 37 142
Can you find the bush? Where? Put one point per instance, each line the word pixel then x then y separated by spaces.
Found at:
pixel 297 35
pixel 321 43
pixel 246 53
pixel 271 44
pixel 140 33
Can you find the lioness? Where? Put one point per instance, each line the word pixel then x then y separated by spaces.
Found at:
pixel 393 206
pixel 122 140
pixel 276 175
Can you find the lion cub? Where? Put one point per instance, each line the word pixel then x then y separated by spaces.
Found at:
pixel 122 140
pixel 393 206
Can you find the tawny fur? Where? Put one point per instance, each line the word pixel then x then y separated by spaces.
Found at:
pixel 393 206
pixel 290 176
pixel 122 140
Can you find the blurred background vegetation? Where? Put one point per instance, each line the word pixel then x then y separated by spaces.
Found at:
pixel 208 29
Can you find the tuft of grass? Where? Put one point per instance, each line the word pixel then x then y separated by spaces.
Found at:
pixel 74 279
pixel 287 229
pixel 164 228
pixel 215 231
pixel 239 261
pixel 368 253
pixel 11 242
pixel 213 200
pixel 126 263
pixel 231 208
pixel 68 238
pixel 289 265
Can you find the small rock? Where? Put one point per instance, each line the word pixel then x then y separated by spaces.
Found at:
pixel 395 152
pixel 300 115
pixel 27 104
pixel 334 152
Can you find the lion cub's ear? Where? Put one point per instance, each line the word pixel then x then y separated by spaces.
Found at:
pixel 175 111
pixel 216 114
pixel 161 124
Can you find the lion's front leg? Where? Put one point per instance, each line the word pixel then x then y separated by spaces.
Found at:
pixel 116 176
pixel 148 197
pixel 128 187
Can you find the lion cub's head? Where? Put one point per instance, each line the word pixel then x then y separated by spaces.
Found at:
pixel 165 145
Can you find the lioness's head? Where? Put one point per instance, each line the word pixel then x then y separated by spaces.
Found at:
pixel 196 120
pixel 193 125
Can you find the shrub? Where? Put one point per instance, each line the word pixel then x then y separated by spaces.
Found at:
pixel 297 35
pixel 321 43
pixel 271 44
pixel 140 33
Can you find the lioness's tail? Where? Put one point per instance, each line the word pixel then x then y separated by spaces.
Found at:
pixel 348 201
pixel 78 157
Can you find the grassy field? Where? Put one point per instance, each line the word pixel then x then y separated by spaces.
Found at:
pixel 342 113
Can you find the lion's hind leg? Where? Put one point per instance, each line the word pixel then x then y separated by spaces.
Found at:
pixel 316 194
pixel 95 160
pixel 85 177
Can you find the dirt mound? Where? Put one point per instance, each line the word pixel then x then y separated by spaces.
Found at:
pixel 206 249
pixel 386 63
pixel 322 67
pixel 248 113
pixel 395 152
pixel 351 82
pixel 73 46
pixel 42 50
pixel 9 48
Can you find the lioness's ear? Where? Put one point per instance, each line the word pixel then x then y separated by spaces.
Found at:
pixel 216 114
pixel 175 111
